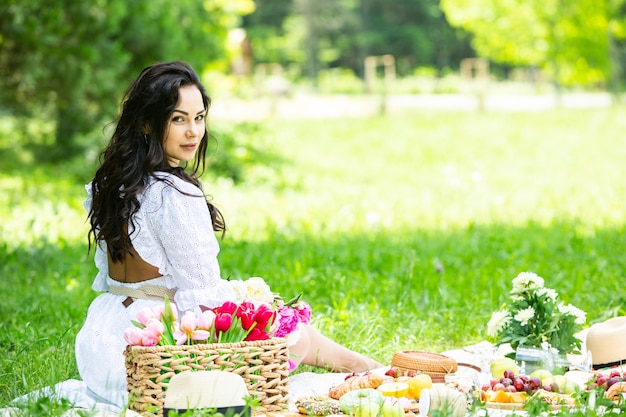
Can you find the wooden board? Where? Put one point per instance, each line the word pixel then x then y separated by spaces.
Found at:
pixel 515 406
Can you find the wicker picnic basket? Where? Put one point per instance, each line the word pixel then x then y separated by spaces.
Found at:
pixel 433 364
pixel 262 364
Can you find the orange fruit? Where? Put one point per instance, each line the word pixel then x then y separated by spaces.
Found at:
pixel 502 397
pixel 491 396
pixel 394 389
pixel 417 384
pixel 518 397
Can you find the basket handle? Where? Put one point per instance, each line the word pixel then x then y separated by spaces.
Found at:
pixel 469 365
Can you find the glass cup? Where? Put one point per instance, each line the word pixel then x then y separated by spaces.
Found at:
pixel 530 359
pixel 582 362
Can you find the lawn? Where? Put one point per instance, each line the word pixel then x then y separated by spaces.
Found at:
pixel 403 232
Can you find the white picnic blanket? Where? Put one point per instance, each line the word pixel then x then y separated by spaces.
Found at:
pixel 301 384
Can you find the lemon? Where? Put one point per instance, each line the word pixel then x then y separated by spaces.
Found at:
pixel 417 384
pixel 394 389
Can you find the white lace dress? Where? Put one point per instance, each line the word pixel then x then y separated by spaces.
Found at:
pixel 174 232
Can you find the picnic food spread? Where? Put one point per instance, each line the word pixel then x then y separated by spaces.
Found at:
pixel 354 382
pixel 406 393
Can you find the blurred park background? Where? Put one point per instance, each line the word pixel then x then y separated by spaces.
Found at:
pixel 396 161
pixel 65 64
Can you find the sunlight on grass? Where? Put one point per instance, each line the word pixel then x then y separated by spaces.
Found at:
pixel 35 208
pixel 437 171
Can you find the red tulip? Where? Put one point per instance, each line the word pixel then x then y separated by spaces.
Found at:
pixel 257 334
pixel 227 308
pixel 223 321
pixel 264 316
pixel 247 320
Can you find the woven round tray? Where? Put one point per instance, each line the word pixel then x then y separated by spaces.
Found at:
pixel 433 364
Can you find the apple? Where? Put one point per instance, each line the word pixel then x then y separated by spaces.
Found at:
pixel 367 409
pixel 392 409
pixel 498 367
pixel 569 387
pixel 350 400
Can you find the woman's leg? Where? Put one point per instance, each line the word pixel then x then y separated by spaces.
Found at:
pixel 315 349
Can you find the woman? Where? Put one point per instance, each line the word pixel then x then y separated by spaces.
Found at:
pixel 154 230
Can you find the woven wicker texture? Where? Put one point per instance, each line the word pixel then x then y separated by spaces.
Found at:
pixel 433 364
pixel 262 364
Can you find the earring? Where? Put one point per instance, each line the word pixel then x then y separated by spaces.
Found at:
pixel 145 138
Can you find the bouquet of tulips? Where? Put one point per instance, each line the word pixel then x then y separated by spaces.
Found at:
pixel 255 314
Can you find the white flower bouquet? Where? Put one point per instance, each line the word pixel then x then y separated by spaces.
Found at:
pixel 535 317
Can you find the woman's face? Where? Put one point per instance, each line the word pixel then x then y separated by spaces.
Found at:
pixel 186 126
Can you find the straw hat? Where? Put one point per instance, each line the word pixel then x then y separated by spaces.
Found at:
pixel 219 390
pixel 607 342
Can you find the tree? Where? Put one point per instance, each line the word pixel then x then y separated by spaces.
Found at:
pixel 569 40
pixel 341 33
pixel 70 60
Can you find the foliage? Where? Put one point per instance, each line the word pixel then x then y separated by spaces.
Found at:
pixel 340 81
pixel 237 147
pixel 326 34
pixel 65 60
pixel 233 150
pixel 568 40
pixel 402 232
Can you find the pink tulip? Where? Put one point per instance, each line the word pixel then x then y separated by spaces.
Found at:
pixel 189 329
pixel 200 335
pixel 149 338
pixel 180 337
pixel 206 319
pixel 145 314
pixel 133 336
pixel 158 311
pixel 188 323
pixel 141 337
pixel 154 329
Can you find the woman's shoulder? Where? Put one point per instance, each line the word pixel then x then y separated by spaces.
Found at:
pixel 167 183
pixel 167 179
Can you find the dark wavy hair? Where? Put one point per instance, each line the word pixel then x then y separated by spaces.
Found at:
pixel 136 152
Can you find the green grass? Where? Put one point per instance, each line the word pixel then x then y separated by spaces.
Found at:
pixel 403 232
